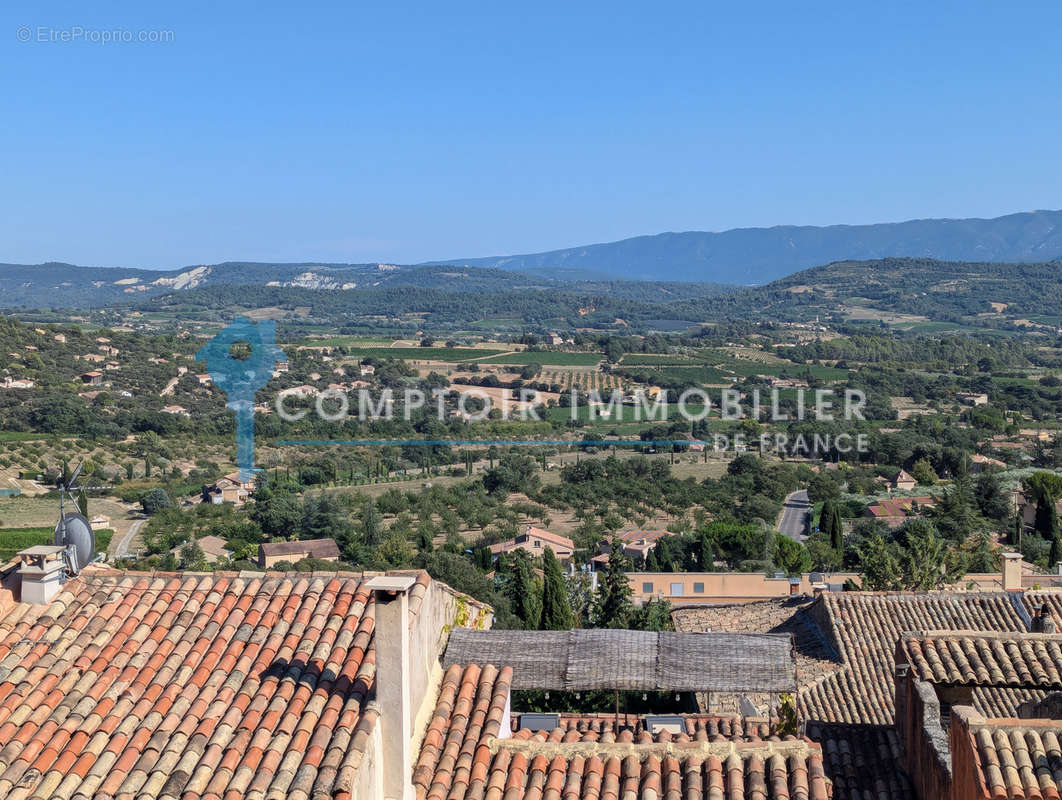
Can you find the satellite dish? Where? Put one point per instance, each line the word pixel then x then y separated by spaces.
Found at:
pixel 74 531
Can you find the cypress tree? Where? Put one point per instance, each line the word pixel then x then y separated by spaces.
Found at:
pixel 834 528
pixel 707 556
pixel 613 602
pixel 556 612
pixel 1046 521
pixel 521 587
pixel 82 503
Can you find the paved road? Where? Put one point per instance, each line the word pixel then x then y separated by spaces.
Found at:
pixel 791 521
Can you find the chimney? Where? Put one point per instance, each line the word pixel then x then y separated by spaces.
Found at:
pixel 1012 572
pixel 391 593
pixel 41 573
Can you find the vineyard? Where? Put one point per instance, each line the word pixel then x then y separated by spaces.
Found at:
pixel 582 379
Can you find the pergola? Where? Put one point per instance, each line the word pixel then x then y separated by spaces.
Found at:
pixel 621 660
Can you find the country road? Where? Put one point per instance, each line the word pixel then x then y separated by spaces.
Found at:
pixel 791 521
pixel 122 548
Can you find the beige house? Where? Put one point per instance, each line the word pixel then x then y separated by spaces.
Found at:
pixel 274 552
pixel 697 588
pixel 904 481
pixel 228 489
pixel 636 545
pixel 980 463
pixel 534 541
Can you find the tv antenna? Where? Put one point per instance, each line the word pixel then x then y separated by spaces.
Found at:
pixel 74 531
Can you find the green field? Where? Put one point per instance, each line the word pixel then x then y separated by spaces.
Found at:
pixel 14 436
pixel 654 360
pixel 546 358
pixel 12 540
pixel 424 353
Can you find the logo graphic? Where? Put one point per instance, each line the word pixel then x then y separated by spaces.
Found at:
pixel 240 360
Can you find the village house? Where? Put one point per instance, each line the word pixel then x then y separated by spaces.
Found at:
pixel 180 411
pixel 636 545
pixel 272 553
pixel 228 489
pixel 972 398
pixel 94 358
pixel 894 510
pixel 904 481
pixel 92 378
pixel 367 369
pixel 534 541
pixel 980 463
pixel 14 383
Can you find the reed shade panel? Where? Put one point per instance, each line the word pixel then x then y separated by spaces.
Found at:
pixel 583 660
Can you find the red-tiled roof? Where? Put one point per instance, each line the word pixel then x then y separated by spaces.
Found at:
pixel 133 687
pixel 863 761
pixel 466 756
pixel 1016 759
pixel 985 659
pixel 865 626
pixel 849 703
pixel 899 506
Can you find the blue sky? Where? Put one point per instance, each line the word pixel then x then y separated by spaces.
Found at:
pixel 403 132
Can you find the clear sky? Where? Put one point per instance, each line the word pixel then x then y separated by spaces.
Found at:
pixel 402 132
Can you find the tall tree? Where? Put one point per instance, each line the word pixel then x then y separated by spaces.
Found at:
pixel 370 524
pixel 522 588
pixel 82 504
pixel 556 612
pixel 830 524
pixel 928 561
pixel 1046 521
pixel 707 555
pixel 612 608
pixel 881 568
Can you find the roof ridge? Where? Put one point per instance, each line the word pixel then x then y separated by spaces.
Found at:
pixel 801 748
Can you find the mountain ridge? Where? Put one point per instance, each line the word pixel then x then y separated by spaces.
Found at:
pixel 759 255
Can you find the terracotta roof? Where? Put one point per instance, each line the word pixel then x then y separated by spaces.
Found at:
pixel 985 659
pixel 899 506
pixel 863 761
pixel 636 535
pixel 313 548
pixel 849 702
pixel 555 540
pixel 177 687
pixel 1016 759
pixel 464 757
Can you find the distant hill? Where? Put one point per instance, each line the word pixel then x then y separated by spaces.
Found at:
pixel 754 256
pixel 57 285
pixel 988 294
